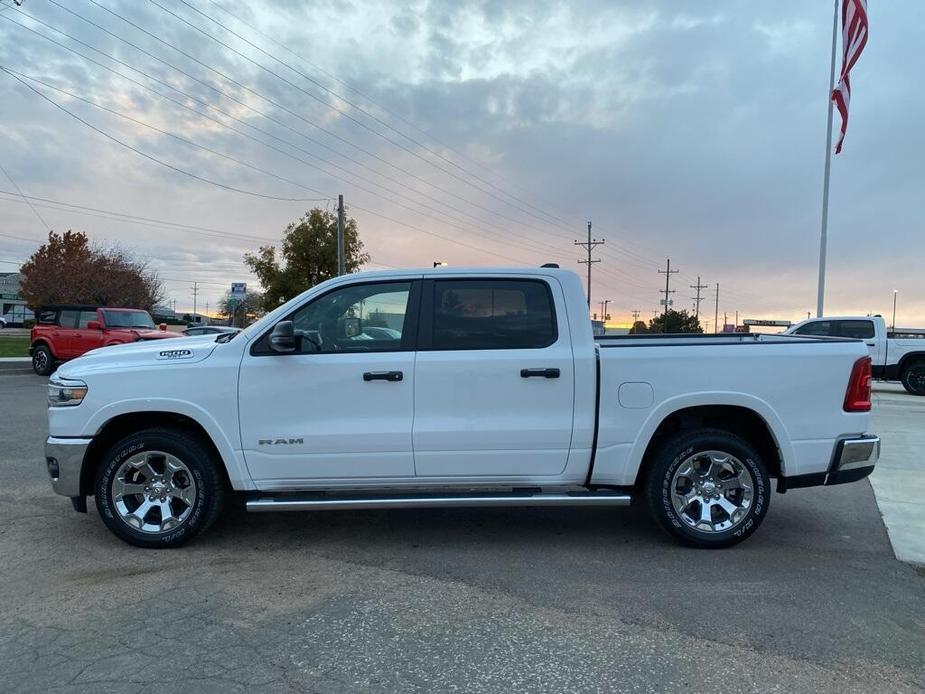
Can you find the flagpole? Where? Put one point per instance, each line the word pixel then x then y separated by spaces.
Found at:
pixel 820 296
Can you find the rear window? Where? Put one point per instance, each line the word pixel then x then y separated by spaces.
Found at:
pixel 493 314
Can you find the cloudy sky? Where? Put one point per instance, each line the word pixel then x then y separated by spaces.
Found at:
pixel 482 133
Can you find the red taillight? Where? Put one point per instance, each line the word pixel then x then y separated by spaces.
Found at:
pixel 857 397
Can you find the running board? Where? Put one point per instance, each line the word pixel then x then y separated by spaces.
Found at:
pixel 316 502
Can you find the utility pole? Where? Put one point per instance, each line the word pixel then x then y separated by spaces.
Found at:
pixel 737 319
pixel 604 303
pixel 195 296
pixel 589 246
pixel 716 311
pixel 668 273
pixel 635 313
pixel 340 236
pixel 698 287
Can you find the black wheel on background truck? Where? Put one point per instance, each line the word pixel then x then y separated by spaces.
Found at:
pixel 43 362
pixel 159 488
pixel 708 488
pixel 913 378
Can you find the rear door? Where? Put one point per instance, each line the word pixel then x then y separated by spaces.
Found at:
pixel 64 334
pixel 494 379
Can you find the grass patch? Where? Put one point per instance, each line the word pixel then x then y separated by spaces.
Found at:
pixel 14 346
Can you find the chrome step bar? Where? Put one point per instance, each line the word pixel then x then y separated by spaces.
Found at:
pixel 289 502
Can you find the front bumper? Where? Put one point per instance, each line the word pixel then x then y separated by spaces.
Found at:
pixel 854 459
pixel 64 459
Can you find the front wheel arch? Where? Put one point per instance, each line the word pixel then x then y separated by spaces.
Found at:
pixel 124 425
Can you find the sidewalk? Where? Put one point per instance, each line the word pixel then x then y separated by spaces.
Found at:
pixel 899 479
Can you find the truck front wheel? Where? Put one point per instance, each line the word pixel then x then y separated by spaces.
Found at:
pixel 708 488
pixel 159 488
pixel 913 378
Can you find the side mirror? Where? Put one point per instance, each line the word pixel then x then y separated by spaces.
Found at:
pixel 94 325
pixel 282 339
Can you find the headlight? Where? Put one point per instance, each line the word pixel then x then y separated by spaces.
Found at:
pixel 63 393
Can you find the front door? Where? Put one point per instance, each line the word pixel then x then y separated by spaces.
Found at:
pixel 341 406
pixel 494 380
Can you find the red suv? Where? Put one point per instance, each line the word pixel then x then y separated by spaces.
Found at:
pixel 66 332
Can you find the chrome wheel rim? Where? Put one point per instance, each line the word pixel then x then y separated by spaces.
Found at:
pixel 712 491
pixel 153 492
pixel 40 360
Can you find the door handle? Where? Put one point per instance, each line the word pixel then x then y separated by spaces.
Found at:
pixel 383 376
pixel 539 373
pixel 871 344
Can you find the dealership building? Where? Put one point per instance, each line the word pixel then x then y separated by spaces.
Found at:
pixel 12 306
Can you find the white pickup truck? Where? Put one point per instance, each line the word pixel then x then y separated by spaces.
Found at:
pixel 897 354
pixel 462 387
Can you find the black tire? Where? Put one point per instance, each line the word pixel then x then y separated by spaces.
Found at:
pixel 913 378
pixel 672 454
pixel 201 469
pixel 43 361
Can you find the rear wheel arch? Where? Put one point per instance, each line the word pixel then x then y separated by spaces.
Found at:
pixel 127 424
pixel 43 342
pixel 910 358
pixel 741 421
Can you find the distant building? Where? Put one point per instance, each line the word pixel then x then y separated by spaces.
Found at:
pixel 13 307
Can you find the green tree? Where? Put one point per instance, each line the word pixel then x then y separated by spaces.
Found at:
pixel 639 328
pixel 308 255
pixel 678 322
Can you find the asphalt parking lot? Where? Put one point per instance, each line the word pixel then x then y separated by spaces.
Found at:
pixel 526 600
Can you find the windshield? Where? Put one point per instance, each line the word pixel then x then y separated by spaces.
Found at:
pixel 128 319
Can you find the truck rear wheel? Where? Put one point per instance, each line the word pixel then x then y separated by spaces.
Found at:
pixel 913 378
pixel 159 488
pixel 708 488
pixel 43 363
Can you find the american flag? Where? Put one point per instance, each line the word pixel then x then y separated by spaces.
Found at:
pixel 854 38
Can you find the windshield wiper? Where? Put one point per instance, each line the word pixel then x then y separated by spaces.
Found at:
pixel 225 337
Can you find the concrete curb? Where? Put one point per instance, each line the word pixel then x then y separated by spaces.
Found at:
pixel 15 364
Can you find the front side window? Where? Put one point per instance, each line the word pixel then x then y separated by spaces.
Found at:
pixel 359 318
pixel 819 327
pixel 85 318
pixel 493 314
pixel 859 329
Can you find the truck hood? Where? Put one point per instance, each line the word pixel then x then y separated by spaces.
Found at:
pixel 165 352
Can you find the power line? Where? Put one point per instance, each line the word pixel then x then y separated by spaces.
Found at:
pixel 304 91
pixel 245 105
pixel 22 195
pixel 698 287
pixel 207 149
pixel 391 112
pixel 668 272
pixel 151 157
pixel 267 99
pixel 589 246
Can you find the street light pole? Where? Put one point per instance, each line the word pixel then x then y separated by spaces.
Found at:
pixel 895 292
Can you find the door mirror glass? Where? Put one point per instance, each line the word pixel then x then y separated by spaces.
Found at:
pixel 94 325
pixel 282 339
